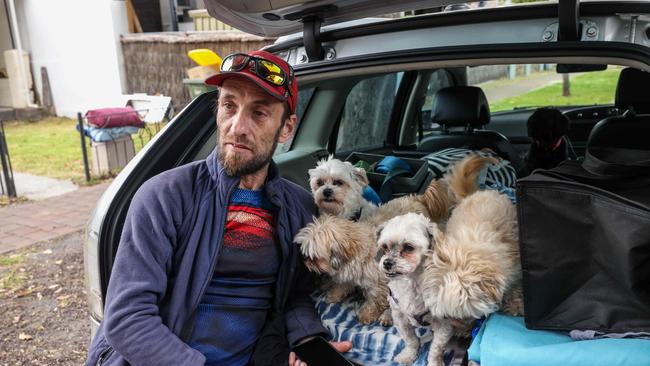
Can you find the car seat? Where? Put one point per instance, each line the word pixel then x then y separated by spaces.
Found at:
pixel 631 129
pixel 462 112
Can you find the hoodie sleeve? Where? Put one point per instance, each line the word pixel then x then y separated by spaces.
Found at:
pixel 302 320
pixel 133 326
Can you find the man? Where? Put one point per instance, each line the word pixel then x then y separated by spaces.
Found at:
pixel 206 254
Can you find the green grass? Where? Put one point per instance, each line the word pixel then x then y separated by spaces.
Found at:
pixel 12 281
pixel 8 260
pixel 51 147
pixel 586 89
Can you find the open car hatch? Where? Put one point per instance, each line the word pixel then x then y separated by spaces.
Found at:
pixel 274 18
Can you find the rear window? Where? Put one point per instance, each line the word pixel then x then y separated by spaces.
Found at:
pixel 511 87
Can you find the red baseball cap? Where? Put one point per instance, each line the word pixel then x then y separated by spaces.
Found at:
pixel 287 92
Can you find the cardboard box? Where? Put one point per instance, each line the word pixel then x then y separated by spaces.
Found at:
pixel 201 72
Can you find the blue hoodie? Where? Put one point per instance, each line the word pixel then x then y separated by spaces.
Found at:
pixel 166 257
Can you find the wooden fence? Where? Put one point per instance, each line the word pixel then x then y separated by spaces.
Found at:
pixel 156 63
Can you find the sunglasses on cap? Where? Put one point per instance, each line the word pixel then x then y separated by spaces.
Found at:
pixel 267 70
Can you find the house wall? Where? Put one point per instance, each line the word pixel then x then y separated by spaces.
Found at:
pixel 78 42
pixel 5 33
pixel 157 62
pixel 5 44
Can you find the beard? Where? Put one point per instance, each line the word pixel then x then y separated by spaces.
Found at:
pixel 236 165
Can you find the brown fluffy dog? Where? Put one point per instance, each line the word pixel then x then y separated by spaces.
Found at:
pixel 346 250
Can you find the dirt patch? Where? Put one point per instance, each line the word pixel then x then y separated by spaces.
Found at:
pixel 44 318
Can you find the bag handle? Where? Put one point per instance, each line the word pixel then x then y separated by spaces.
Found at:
pixel 616 161
pixel 392 166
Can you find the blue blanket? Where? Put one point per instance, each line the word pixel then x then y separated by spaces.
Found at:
pixel 504 340
pixel 107 134
pixel 372 344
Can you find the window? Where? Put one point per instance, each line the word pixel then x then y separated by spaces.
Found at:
pixel 304 96
pixel 510 87
pixel 437 80
pixel 366 115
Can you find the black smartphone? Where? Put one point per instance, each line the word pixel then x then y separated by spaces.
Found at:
pixel 319 352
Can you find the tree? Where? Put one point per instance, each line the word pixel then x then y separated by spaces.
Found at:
pixel 566 86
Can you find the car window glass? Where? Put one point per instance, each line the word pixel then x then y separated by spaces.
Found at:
pixel 304 96
pixel 438 79
pixel 530 86
pixel 366 115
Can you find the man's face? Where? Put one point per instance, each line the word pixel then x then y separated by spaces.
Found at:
pixel 249 123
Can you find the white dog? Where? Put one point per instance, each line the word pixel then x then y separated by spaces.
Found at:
pixel 404 242
pixel 337 187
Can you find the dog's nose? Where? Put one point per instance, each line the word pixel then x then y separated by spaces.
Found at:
pixel 389 264
pixel 327 192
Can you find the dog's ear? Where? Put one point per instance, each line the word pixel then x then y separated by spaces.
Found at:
pixel 378 252
pixel 378 231
pixel 435 234
pixel 359 174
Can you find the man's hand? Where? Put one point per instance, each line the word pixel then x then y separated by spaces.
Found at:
pixel 339 346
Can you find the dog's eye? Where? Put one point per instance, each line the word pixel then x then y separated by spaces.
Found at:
pixel 338 182
pixel 319 182
pixel 408 248
pixel 384 247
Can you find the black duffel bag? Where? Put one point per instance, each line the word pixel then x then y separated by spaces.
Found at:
pixel 585 243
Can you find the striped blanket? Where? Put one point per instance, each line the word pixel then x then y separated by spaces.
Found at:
pixel 371 344
pixel 501 177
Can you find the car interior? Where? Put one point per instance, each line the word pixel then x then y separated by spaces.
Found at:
pixel 413 113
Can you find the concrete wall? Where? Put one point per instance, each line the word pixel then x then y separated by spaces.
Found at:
pixel 78 42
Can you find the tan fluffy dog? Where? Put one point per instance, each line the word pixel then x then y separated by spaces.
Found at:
pixel 474 268
pixel 346 250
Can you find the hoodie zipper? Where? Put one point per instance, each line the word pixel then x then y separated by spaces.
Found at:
pixel 213 262
pixel 104 356
pixel 285 255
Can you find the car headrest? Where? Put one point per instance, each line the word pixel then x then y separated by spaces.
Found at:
pixel 631 90
pixel 460 106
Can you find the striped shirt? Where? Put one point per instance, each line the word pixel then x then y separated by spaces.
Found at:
pixel 503 174
pixel 235 304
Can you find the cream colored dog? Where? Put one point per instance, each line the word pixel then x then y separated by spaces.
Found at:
pixel 405 243
pixel 471 270
pixel 344 249
pixel 337 187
